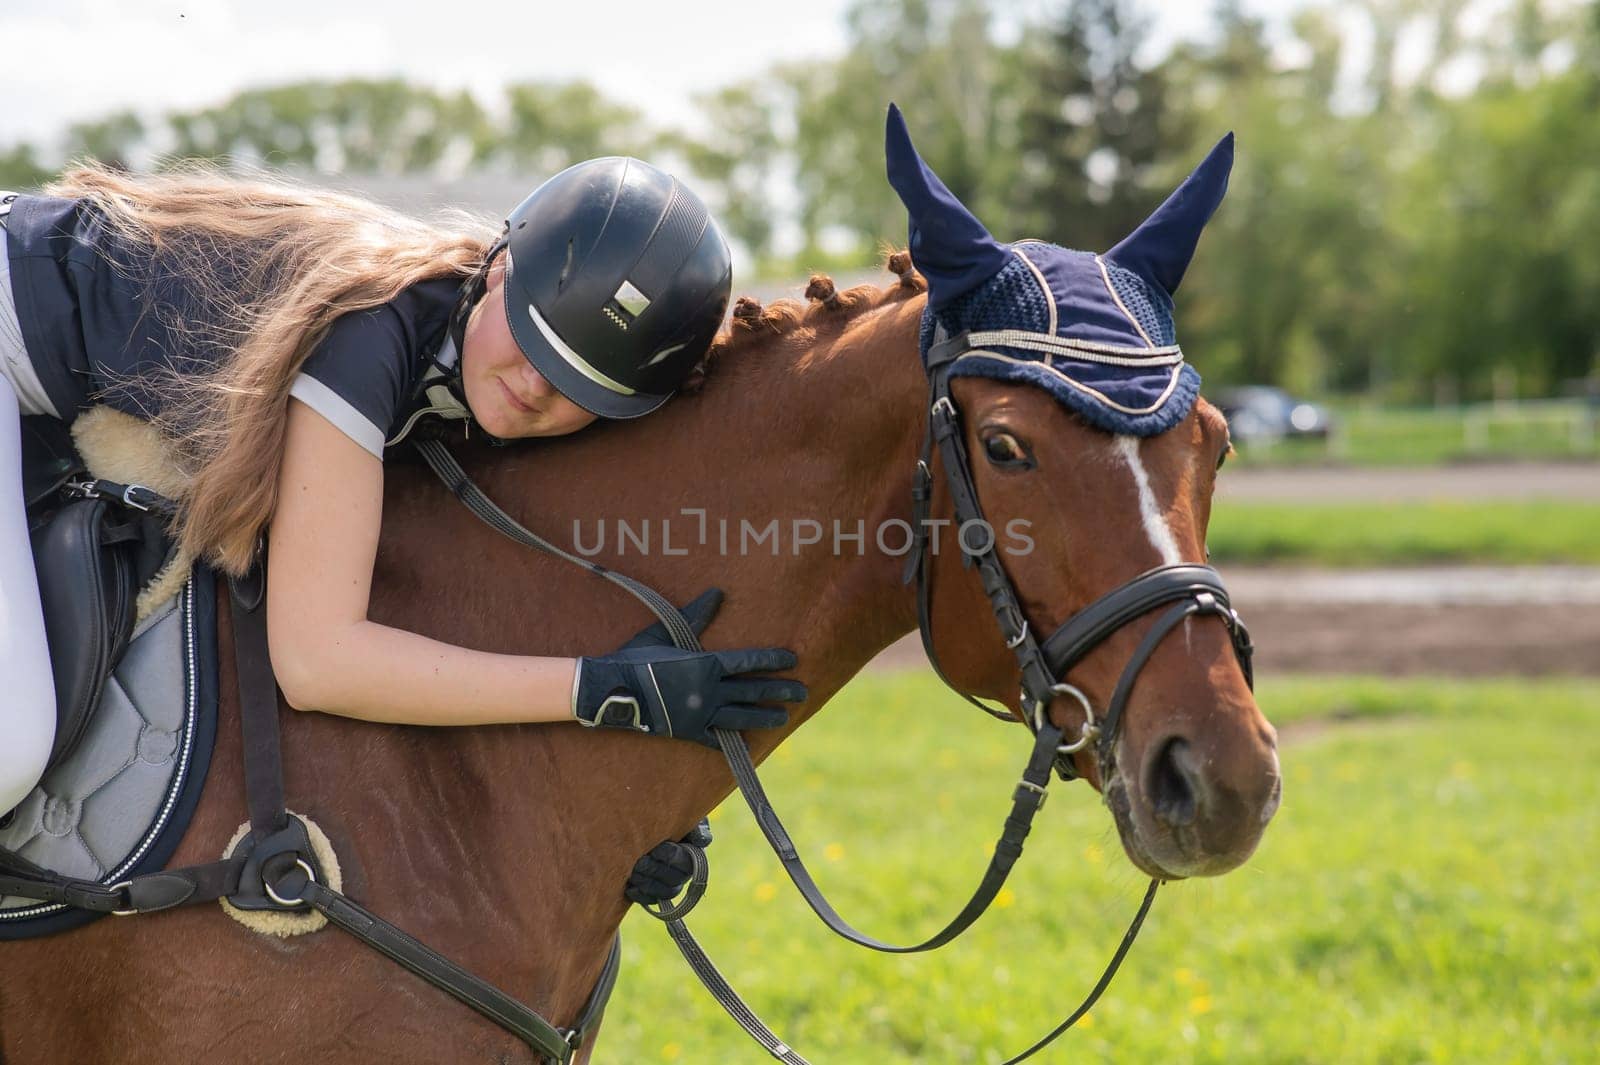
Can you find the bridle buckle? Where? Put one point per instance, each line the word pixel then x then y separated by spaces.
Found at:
pixel 1016 641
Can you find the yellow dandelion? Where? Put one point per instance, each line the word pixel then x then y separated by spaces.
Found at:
pixel 766 891
pixel 1200 1004
pixel 715 815
pixel 1185 977
pixel 1345 772
pixel 1461 770
pixel 1086 1021
pixel 672 1052
pixel 833 852
pixel 1005 898
pixel 1093 854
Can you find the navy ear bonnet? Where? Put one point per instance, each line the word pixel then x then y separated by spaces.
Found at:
pixel 1094 331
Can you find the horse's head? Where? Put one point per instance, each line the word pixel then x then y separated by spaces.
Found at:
pixel 1081 419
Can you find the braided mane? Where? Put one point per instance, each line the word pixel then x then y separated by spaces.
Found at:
pixel 825 309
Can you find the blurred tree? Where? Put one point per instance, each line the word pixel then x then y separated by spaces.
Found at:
pixel 738 159
pixel 1091 126
pixel 1504 282
pixel 387 126
pixel 116 140
pixel 20 168
pixel 1252 298
pixel 1411 211
pixel 938 60
pixel 554 125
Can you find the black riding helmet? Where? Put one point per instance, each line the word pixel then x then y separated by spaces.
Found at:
pixel 616 281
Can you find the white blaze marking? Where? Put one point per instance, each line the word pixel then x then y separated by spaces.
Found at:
pixel 1154 523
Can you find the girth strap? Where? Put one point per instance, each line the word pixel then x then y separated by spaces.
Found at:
pixel 258 700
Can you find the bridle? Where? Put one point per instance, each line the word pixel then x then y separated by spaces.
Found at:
pixel 1187 590
pixel 1192 589
pixel 278 846
pixel 256 876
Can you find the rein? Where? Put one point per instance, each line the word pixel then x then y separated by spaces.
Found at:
pixel 1191 589
pixel 275 867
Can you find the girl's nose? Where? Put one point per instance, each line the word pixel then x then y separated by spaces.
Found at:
pixel 534 383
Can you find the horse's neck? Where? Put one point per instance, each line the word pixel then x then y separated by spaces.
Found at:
pixel 828 438
pixel 725 488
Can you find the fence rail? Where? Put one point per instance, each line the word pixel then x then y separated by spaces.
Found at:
pixel 1526 429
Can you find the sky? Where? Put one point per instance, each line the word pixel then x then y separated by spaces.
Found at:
pixel 86 58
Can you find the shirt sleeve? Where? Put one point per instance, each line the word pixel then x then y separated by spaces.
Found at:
pixel 358 377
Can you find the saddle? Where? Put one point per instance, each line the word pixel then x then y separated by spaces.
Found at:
pixel 95 543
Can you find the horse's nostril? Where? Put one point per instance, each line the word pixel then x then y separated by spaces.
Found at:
pixel 1172 784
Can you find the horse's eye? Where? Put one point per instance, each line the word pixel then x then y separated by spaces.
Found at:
pixel 1003 449
pixel 1225 453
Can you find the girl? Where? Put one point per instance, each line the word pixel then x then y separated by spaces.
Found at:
pixel 282 336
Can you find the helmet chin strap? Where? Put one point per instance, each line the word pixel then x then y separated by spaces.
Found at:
pixel 441 393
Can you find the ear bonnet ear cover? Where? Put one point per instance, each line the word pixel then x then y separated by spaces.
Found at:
pixel 1095 331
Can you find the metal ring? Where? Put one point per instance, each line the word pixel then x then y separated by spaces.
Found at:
pixel 311 877
pixel 1090 729
pixel 119 887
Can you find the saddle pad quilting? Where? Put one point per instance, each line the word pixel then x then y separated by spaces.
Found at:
pixel 119 804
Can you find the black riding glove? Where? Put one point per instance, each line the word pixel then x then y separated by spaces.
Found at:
pixel 660 875
pixel 650 686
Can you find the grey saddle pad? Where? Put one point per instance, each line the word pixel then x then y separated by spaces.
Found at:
pixel 119 804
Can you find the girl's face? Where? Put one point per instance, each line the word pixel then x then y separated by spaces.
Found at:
pixel 508 397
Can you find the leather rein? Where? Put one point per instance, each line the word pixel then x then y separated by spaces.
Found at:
pixel 275 867
pixel 1186 589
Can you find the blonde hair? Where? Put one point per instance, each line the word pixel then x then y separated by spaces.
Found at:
pixel 270 265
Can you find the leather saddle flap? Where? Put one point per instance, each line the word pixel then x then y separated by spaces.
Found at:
pixel 88 593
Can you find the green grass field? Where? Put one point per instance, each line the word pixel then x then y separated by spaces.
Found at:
pixel 1425 894
pixel 1361 534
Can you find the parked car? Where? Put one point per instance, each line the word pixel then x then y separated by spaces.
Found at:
pixel 1265 413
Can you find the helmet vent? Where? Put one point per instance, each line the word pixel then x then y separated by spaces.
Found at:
pixel 566 268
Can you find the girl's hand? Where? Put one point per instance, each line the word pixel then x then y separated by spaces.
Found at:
pixel 651 686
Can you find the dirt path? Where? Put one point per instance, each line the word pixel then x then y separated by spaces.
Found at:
pixel 1455 622
pixel 1576 481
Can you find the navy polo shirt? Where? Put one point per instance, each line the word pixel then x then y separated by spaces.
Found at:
pixel 97 330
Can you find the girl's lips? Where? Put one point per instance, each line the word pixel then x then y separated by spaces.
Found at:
pixel 512 399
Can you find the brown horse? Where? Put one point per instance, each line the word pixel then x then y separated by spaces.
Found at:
pixel 507 847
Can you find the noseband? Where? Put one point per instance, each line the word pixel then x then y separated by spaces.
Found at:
pixel 1192 590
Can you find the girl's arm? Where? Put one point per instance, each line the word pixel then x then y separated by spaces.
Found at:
pixel 327 655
